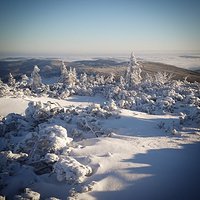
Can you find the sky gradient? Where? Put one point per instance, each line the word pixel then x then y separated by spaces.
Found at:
pixel 54 27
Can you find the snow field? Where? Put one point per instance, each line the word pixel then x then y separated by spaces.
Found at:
pixel 98 165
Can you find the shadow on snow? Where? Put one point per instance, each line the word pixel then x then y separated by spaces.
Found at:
pixel 174 175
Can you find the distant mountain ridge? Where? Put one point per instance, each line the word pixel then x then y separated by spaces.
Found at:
pixel 51 67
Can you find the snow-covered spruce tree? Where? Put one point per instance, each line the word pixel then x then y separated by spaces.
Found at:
pixel 91 79
pixel 83 79
pixel 66 82
pixel 24 80
pixel 102 79
pixel 11 80
pixel 122 82
pixel 4 89
pixel 72 79
pixel 99 80
pixel 110 79
pixel 36 82
pixel 163 77
pixel 148 80
pixel 133 74
pixel 76 80
pixel 128 77
pixel 64 74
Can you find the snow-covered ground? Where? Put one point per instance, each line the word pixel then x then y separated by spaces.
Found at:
pixel 135 160
pixel 19 105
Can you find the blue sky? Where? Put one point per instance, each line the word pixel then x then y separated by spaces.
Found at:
pixel 54 27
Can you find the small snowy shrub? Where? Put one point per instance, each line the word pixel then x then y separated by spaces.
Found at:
pixel 13 122
pixel 69 169
pixel 56 135
pixel 110 105
pixel 50 139
pixel 28 194
pixel 38 111
pixel 163 77
pixel 7 157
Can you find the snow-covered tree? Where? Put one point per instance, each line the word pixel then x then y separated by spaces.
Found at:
pixel 110 79
pixel 91 79
pixel 24 80
pixel 128 77
pixel 136 76
pixel 74 75
pixel 36 79
pixel 64 74
pixel 83 79
pixel 133 61
pixel 110 105
pixel 99 79
pixel 163 77
pixel 102 79
pixel 148 79
pixel 71 81
pixel 11 80
pixel 121 82
pixel 4 89
pixel 133 73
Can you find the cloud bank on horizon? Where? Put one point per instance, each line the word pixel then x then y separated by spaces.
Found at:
pixel 80 27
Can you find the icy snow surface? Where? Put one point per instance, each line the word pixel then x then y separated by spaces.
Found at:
pixel 135 160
